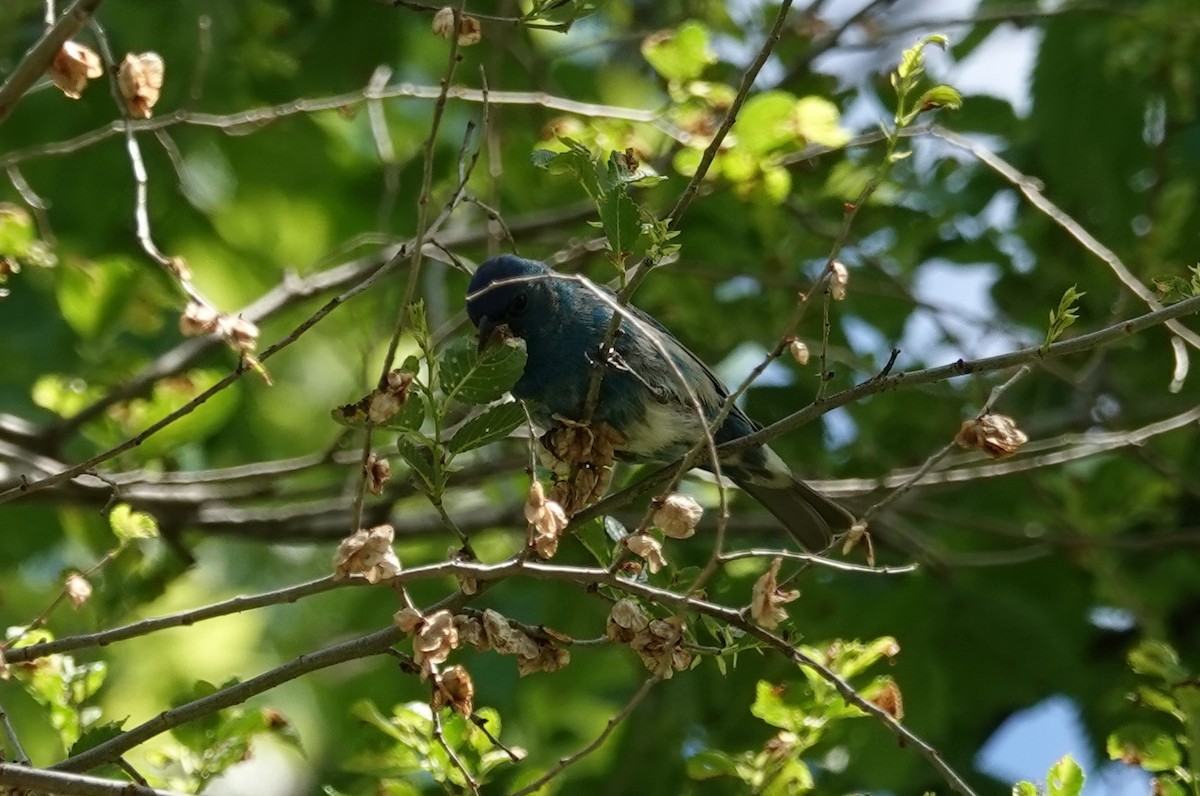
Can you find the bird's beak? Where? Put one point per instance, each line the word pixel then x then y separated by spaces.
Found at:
pixel 487 330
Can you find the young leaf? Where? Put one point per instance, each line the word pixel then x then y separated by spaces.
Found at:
pixel 681 55
pixel 1065 778
pixel 770 707
pixel 1061 318
pixel 711 763
pixel 496 422
pixel 1144 745
pixel 128 524
pixel 1156 659
pixel 619 217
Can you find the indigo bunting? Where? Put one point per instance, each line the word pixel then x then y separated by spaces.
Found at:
pixel 564 324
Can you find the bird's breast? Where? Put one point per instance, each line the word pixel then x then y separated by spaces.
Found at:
pixel 662 432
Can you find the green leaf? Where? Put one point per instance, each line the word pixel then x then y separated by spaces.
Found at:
pixel 681 55
pixel 64 396
pixel 1065 778
pixel 128 524
pixel 480 377
pixel 940 96
pixel 1025 788
pixel 92 297
pixel 793 778
pixel 1061 318
pixel 769 706
pixel 1159 700
pixel 912 63
pixel 711 763
pixel 1144 745
pixel 575 160
pixel 620 221
pixel 1156 659
pixel 96 735
pixel 197 735
pixel 17 232
pixel 410 417
pixel 766 122
pixel 1167 786
pixel 817 120
pixel 419 454
pixel 856 657
pixel 494 423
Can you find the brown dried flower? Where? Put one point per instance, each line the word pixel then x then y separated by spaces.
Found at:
pixel 140 79
pixel 367 552
pixel 677 515
pixel 799 352
pixel 443 22
pixel 469 31
pixel 387 400
pixel 241 333
pixel 660 646
pixel 839 280
pixel 995 435
pixel 647 547
pixel 856 535
pixel 379 472
pixel 78 589
pixel 407 619
pixel 506 639
pixel 625 621
pixel 198 319
pixel 435 637
pixel 470 631
pixel 889 700
pixel 73 66
pixel 766 604
pixel 585 454
pixel 468 27
pixel 547 521
pixel 549 658
pixel 454 688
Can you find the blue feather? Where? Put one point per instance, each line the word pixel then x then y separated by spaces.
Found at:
pixel 648 384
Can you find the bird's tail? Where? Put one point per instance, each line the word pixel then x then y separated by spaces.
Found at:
pixel 809 516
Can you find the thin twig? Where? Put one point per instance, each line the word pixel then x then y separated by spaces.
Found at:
pixel 941 454
pixel 594 744
pixel 14 742
pixel 234 605
pixel 811 558
pixel 435 683
pixel 961 367
pixel 255 119
pixel 1032 190
pixel 373 644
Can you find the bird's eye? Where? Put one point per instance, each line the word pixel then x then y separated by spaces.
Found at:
pixel 518 304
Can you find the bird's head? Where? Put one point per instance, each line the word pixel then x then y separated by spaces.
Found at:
pixel 506 291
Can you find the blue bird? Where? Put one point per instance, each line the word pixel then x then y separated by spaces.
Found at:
pixel 564 322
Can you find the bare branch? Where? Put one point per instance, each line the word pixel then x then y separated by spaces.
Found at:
pixel 365 646
pixel 1033 192
pixel 43 781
